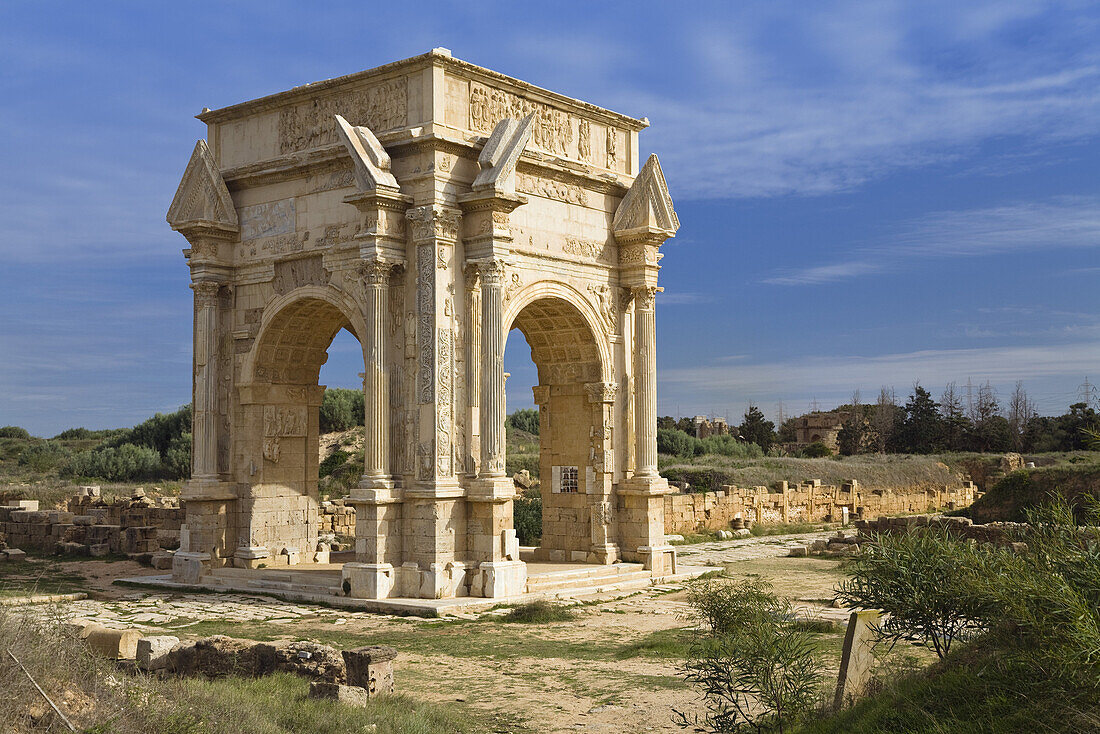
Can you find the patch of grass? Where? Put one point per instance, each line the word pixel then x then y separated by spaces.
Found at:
pixel 818 626
pixel 786 528
pixel 701 535
pixel 672 643
pixel 26 578
pixel 539 612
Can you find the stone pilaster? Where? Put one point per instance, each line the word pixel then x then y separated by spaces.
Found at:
pixel 605 549
pixel 645 383
pixel 472 333
pixel 377 467
pixel 204 423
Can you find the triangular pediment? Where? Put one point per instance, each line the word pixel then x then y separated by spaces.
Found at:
pixel 647 205
pixel 202 197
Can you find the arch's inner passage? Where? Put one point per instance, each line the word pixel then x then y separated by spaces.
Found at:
pixel 283 402
pixel 571 441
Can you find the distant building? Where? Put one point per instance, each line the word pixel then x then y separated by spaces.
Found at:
pixel 819 427
pixel 705 427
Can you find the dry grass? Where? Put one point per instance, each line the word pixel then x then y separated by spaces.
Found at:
pixel 98 697
pixel 886 471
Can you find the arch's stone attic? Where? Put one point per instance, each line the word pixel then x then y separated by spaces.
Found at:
pixel 428 206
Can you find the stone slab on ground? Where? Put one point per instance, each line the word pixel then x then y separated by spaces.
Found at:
pixel 348 695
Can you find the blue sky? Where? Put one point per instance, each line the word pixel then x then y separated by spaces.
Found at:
pixel 870 193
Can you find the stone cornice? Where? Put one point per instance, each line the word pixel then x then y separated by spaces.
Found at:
pixel 380 73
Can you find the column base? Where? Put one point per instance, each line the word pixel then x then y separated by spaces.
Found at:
pixel 189 568
pixel 251 557
pixel 496 579
pixel 659 560
pixel 604 554
pixel 653 486
pixel 492 489
pixel 378 483
pixel 368 580
pixel 208 488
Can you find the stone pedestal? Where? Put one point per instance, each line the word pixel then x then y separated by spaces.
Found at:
pixel 368 580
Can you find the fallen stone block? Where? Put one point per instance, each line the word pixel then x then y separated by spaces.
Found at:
pixel 99 550
pixel 371 668
pixel 347 695
pixel 67 548
pixel 162 561
pixel 13 554
pixel 799 551
pixel 31 505
pixel 114 644
pixel 152 652
pixel 29 516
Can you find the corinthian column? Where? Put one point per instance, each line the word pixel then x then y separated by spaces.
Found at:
pixel 645 382
pixel 493 402
pixel 204 458
pixel 375 275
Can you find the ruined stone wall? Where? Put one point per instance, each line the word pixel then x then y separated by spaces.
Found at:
pixel 336 518
pixel 806 502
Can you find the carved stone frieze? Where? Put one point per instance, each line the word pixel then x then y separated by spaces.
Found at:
pixel 311 124
pixel 284 420
pixel 291 274
pixel 550 189
pixel 425 336
pixel 584 141
pixel 601 392
pixel 552 129
pixel 612 147
pixel 584 248
pixel 605 303
pixel 267 219
pixel 271 449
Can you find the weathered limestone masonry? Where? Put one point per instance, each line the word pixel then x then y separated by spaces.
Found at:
pixel 92 526
pixel 428 206
pixel 807 502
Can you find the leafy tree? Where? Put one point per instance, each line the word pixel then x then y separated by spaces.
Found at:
pixel 675 443
pixel 884 419
pixel 788 431
pixel 921 428
pixel 44 456
pixel 955 425
pixel 817 450
pixel 341 410
pixel 853 435
pixel 527 514
pixel 525 419
pixel 756 429
pixel 124 463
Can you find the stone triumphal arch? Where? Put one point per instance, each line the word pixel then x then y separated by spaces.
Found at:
pixel 428 207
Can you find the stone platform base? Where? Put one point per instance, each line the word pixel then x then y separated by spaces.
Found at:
pixel 544 581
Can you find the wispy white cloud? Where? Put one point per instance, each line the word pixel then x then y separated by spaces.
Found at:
pixel 1066 222
pixel 854 95
pixel 838 375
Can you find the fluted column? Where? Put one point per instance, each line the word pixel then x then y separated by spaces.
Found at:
pixel 493 400
pixel 204 461
pixel 645 382
pixel 375 276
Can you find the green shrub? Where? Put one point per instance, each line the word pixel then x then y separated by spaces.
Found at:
pixel 125 463
pixel 703 479
pixel 817 450
pixel 83 434
pixel 756 667
pixel 675 443
pixel 525 419
pixel 527 516
pixel 514 464
pixel 14 432
pixel 921 579
pixel 539 612
pixel 332 462
pixel 44 456
pixel 341 410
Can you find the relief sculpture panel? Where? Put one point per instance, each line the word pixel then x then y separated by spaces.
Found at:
pixel 310 124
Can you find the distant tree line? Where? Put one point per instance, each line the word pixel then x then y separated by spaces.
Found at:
pixel 976 421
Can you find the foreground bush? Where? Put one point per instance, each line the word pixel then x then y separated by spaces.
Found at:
pixel 756 667
pixel 126 463
pixel 14 432
pixel 43 457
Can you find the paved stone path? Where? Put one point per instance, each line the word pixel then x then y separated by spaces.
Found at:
pixel 746 549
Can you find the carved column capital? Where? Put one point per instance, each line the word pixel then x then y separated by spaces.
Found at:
pixel 472 273
pixel 601 392
pixel 206 291
pixel 491 272
pixel 645 296
pixel 433 222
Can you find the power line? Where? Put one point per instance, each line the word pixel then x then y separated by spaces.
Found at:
pixel 1086 393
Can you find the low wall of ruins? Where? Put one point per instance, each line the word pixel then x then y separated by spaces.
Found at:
pixel 805 502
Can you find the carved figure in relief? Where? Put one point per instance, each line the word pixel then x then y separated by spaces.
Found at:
pixel 584 142
pixel 284 421
pixel 602 294
pixel 271 449
pixel 612 148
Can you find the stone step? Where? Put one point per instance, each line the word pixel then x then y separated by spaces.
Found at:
pixel 571 582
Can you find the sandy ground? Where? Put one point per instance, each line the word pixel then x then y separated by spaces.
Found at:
pixel 574 676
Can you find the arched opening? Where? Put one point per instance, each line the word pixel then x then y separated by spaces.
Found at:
pixel 566 358
pixel 283 401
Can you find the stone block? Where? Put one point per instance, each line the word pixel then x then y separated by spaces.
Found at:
pixel 26 505
pixel 188 568
pixel 29 516
pixel 371 668
pixel 152 652
pixel 162 561
pixel 799 551
pixel 67 548
pixel 84 520
pixel 13 554
pixel 368 580
pixel 114 644
pixel 99 550
pixel 347 695
pixel 857 657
